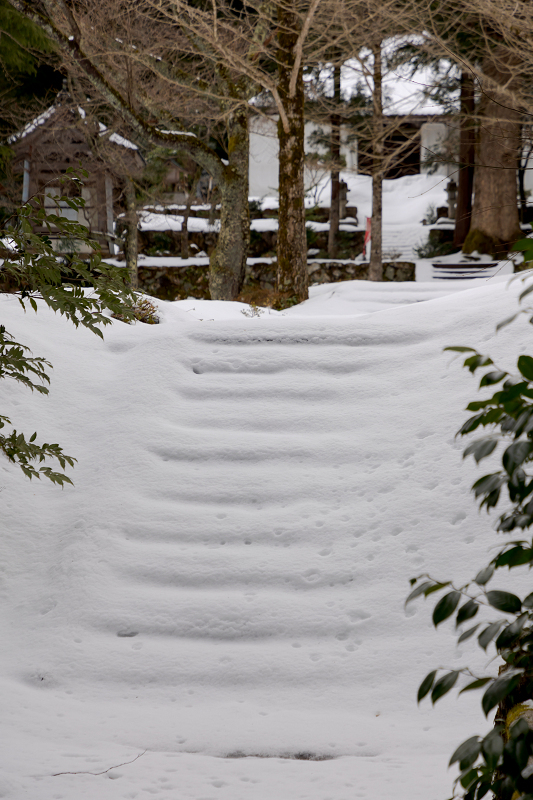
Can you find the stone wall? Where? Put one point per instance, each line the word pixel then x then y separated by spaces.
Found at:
pixel 262 243
pixel 178 283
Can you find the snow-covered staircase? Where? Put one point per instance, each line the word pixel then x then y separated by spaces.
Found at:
pixel 227 577
pixel 399 241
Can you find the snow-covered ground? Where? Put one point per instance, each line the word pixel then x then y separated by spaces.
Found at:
pixel 220 596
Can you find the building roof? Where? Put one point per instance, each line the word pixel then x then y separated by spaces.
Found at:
pixel 46 116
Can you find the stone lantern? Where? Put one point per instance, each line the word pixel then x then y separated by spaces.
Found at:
pixel 451 191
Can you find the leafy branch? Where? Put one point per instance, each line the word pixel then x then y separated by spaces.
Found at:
pixel 502 761
pixel 86 292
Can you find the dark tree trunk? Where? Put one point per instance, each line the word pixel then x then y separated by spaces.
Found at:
pixel 375 267
pixel 292 240
pixel 495 222
pixel 335 121
pixel 467 140
pixel 130 240
pixel 227 265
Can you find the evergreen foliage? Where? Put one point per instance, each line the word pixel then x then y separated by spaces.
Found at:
pixel 82 291
pixel 25 79
pixel 502 761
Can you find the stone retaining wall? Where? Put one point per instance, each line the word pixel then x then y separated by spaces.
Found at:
pixel 178 283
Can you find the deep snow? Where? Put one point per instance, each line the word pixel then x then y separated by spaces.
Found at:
pixel 227 576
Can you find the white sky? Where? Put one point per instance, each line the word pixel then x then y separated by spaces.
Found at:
pixel 403 92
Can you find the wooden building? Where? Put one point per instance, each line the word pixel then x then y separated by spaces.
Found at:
pixel 65 136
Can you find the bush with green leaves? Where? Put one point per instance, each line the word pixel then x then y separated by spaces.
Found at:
pixel 501 762
pixel 83 291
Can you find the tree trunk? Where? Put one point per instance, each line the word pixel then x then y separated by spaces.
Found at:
pixel 130 240
pixel 335 120
pixel 495 222
pixel 227 265
pixel 292 239
pixel 467 139
pixel 375 267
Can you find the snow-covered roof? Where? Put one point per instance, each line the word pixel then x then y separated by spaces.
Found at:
pixel 116 138
pixel 32 126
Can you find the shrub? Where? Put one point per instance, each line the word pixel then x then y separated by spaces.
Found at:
pixel 501 761
pixel 143 309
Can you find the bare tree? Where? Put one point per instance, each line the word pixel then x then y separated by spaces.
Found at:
pixel 177 53
pixel 93 48
pixel 218 52
pixel 382 138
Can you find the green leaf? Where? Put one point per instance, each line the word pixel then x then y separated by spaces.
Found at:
pixel 499 690
pixel 506 321
pixel 471 424
pixel 525 293
pixel 445 607
pixel 426 685
pixel 477 684
pixel 481 448
pixel 436 588
pixel 35 268
pixel 467 750
pixel 504 601
pixel 528 601
pixel 492 747
pixel 467 634
pixel 491 378
pixel 511 632
pixel 483 788
pixel 474 362
pixel 525 365
pixel 443 685
pixel 469 778
pixel 523 245
pixel 418 590
pixel 515 455
pixel 477 404
pixel 459 350
pixel 484 575
pixel 514 557
pixel 467 611
pixel 487 635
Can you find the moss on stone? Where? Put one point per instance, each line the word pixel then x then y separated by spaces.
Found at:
pixel 481 242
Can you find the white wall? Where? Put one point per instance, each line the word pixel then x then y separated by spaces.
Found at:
pixel 432 137
pixel 263 171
